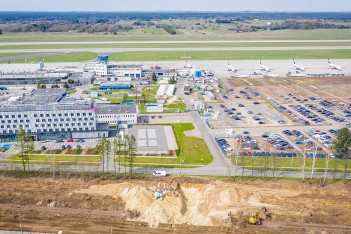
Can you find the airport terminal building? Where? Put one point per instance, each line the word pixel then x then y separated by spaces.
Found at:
pixel 49 115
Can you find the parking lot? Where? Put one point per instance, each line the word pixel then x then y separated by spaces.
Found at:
pixel 53 145
pixel 299 115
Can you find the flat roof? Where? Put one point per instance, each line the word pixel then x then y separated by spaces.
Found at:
pixel 44 96
pixel 115 109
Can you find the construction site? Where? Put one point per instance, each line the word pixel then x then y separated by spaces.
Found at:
pixel 176 204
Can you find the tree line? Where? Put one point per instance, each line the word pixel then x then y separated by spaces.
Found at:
pixel 66 27
pixel 122 152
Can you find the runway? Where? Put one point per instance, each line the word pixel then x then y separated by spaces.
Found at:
pixel 170 42
pixel 117 50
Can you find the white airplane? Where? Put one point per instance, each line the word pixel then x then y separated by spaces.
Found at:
pixel 333 66
pixel 298 67
pixel 264 68
pixel 231 68
pixel 187 65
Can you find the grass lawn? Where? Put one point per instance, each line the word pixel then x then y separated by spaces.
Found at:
pixel 13 54
pixel 73 57
pixel 149 93
pixel 231 55
pixel 319 34
pixel 115 97
pixel 59 158
pixel 174 45
pixel 290 163
pixel 175 106
pixel 193 150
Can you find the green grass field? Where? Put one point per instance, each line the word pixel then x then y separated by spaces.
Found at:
pixel 193 150
pixel 289 163
pixel 173 45
pixel 13 54
pixel 115 96
pixel 197 55
pixel 319 34
pixel 176 105
pixel 72 57
pixel 149 93
pixel 231 55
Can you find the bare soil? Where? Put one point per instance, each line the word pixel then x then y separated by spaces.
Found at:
pixel 190 205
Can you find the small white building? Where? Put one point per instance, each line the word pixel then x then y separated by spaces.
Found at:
pixel 116 114
pixel 210 96
pixel 165 91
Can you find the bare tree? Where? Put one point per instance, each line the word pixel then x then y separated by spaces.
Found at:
pixel 314 160
pixel 125 153
pixel 131 154
pixel 104 149
pixel 25 143
pixel 326 167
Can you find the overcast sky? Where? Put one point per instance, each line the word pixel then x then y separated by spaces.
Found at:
pixel 175 5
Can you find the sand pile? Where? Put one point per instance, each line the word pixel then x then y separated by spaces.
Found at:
pixel 193 204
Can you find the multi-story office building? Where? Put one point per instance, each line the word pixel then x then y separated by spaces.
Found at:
pixel 50 114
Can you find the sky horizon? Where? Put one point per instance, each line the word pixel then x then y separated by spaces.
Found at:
pixel 176 6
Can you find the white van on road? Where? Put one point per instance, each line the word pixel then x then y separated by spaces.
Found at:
pixel 160 173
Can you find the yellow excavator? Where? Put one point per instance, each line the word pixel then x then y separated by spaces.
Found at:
pixel 255 219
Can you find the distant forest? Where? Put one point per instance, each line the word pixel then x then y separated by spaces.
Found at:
pixel 110 22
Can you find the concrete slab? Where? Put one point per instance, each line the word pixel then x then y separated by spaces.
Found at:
pixel 151 133
pixel 142 143
pixel 142 134
pixel 152 143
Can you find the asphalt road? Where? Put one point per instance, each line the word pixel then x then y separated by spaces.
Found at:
pixel 219 158
pixel 201 171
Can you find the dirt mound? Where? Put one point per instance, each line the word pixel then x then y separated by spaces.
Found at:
pixel 193 204
pixel 188 204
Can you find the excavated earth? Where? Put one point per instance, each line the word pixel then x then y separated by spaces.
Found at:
pixel 189 205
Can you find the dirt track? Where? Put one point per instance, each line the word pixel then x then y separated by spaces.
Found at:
pixel 77 206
